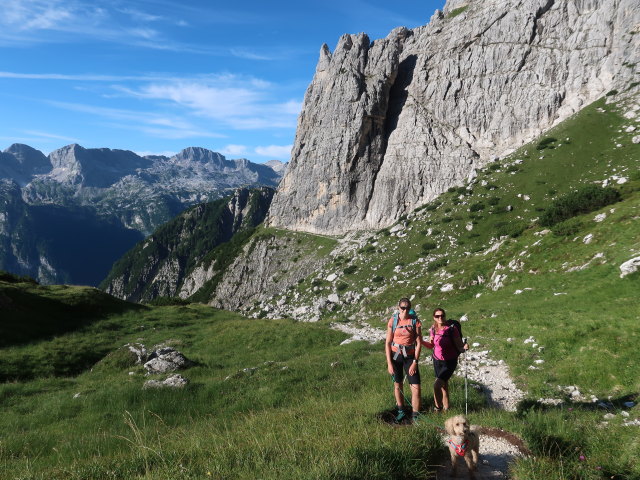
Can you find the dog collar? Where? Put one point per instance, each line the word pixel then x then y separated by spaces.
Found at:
pixel 460 449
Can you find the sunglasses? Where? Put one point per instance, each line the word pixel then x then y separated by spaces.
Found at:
pixel 438 316
pixel 404 308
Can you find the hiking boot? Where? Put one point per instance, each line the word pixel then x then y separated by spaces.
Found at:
pixel 400 416
pixel 415 417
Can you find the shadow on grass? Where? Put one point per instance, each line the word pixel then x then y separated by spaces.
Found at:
pixel 31 313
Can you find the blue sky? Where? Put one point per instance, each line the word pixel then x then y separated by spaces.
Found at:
pixel 157 76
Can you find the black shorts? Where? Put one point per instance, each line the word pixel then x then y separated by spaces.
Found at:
pixel 401 366
pixel 444 368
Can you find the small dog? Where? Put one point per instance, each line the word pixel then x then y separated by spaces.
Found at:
pixel 463 442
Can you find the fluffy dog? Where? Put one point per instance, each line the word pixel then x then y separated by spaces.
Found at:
pixel 463 442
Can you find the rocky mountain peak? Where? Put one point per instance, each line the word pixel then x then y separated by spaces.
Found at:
pixel 201 155
pixel 388 125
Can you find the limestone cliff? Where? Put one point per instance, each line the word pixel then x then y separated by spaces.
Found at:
pixel 388 125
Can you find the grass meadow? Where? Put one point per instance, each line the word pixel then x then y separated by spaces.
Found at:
pixel 279 399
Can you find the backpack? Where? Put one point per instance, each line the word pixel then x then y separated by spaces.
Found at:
pixel 396 316
pixel 450 323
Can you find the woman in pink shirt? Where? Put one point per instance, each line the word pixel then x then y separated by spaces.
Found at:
pixel 446 340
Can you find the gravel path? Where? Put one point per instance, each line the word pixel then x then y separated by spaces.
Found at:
pixel 497 448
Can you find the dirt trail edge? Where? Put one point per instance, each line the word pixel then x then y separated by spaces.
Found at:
pixel 497 448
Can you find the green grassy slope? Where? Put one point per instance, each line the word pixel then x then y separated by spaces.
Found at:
pixel 310 408
pixel 305 407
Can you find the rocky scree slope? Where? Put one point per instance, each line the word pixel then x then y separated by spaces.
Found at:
pixel 388 125
pixel 168 261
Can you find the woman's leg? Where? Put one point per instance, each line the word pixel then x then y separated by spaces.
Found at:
pixel 437 393
pixel 445 394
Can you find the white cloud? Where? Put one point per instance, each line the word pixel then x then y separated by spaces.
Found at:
pixel 239 102
pixel 147 122
pixel 234 150
pixel 275 151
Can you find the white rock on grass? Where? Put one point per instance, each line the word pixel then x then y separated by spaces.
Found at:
pixel 600 217
pixel 629 267
pixel 636 139
pixel 447 287
pixel 587 239
pixel 332 277
pixel 174 381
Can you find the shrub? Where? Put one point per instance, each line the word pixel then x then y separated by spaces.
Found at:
pixel 511 229
pixel 494 166
pixel 341 286
pixel 11 278
pixel 611 93
pixel 585 200
pixel 546 143
pixel 568 227
pixel 493 200
pixel 462 190
pixel 513 168
pixel 476 207
pixel 316 282
pixel 491 186
pixel 437 264
pixel 350 269
pixel 432 206
pixel 451 189
pixel 378 278
pixel 426 246
pixel 447 219
pixel 166 301
pixel 435 232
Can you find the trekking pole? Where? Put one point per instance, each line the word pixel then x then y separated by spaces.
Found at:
pixel 466 408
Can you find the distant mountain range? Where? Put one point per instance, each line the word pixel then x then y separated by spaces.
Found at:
pixel 68 216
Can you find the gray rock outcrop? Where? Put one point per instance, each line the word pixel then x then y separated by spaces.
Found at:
pixel 629 267
pixel 388 125
pixel 174 381
pixel 166 359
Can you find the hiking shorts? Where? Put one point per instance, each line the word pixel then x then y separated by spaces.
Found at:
pixel 401 366
pixel 444 368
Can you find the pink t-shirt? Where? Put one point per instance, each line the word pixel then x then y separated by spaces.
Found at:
pixel 443 346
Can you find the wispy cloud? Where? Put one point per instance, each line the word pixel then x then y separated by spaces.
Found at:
pixel 53 136
pixel 147 122
pixel 275 151
pixel 241 103
pixel 234 150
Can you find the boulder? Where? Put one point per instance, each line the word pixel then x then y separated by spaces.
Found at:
pixel 629 267
pixel 166 359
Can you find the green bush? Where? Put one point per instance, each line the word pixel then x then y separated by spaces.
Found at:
pixel 341 286
pixel 513 168
pixel 585 200
pixel 350 269
pixel 11 278
pixel 546 143
pixel 432 206
pixel 437 264
pixel 568 227
pixel 426 246
pixel 378 278
pixel 447 219
pixel 166 301
pixel 511 229
pixel 476 207
pixel 493 201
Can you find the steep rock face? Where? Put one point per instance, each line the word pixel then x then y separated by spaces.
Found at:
pixel 162 264
pixel 264 268
pixel 96 167
pixel 21 163
pixel 388 125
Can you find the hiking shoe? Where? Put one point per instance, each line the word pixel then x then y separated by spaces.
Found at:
pixel 400 416
pixel 415 417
